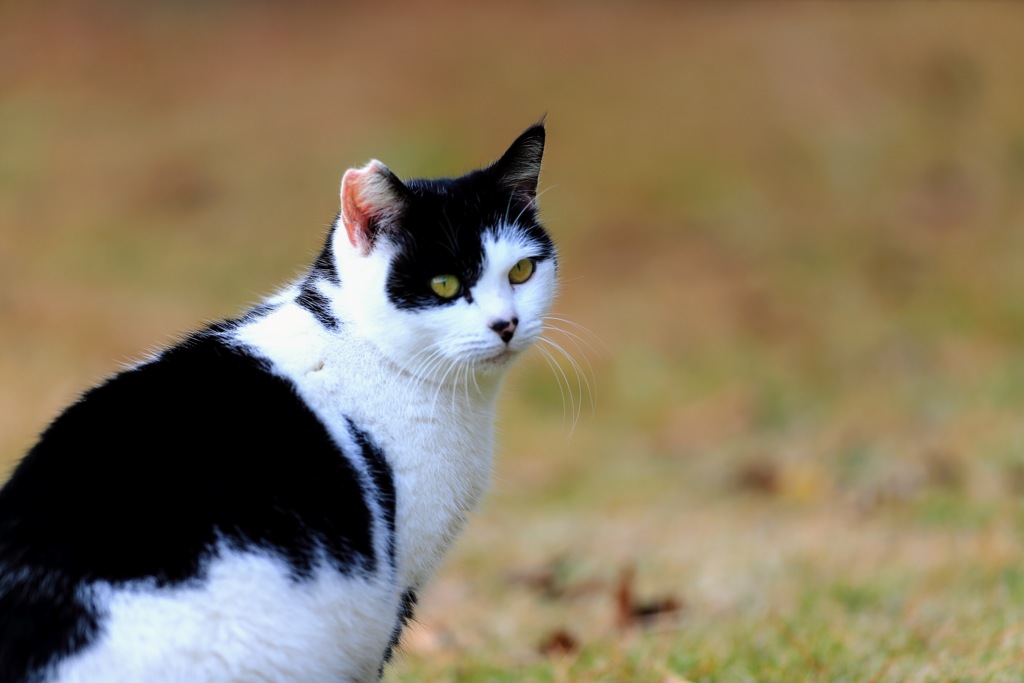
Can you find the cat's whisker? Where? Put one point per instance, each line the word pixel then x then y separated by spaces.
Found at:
pixel 582 329
pixel 527 206
pixel 420 373
pixel 454 364
pixel 576 405
pixel 576 340
pixel 427 373
pixel 580 338
pixel 545 191
pixel 555 370
pixel 476 385
pixel 428 368
pixel 456 387
pixel 437 394
pixel 508 207
pixel 441 383
pixel 466 370
pixel 588 377
pixel 470 372
pixel 582 379
pixel 420 360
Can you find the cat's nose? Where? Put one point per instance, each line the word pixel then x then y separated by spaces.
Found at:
pixel 505 328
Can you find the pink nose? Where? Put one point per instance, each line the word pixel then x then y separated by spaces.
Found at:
pixel 505 328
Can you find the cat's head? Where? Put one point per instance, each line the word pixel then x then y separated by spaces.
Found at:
pixel 447 274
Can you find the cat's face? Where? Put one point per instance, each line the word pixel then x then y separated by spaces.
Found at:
pixel 450 278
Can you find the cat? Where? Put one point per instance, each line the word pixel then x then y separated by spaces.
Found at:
pixel 263 500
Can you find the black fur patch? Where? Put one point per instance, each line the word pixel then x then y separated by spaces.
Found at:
pixel 40 619
pixel 405 615
pixel 383 480
pixel 443 223
pixel 442 233
pixel 252 314
pixel 314 301
pixel 310 298
pixel 141 477
pixel 324 265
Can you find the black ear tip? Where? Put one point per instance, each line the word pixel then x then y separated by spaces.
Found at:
pixel 532 138
pixel 537 130
pixel 519 167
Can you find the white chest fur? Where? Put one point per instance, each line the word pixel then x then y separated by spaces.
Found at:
pixel 438 439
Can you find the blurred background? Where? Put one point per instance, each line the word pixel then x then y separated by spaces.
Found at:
pixel 792 235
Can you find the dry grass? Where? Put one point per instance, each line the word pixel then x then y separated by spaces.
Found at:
pixel 796 230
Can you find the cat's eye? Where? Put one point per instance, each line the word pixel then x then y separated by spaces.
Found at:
pixel 521 271
pixel 445 286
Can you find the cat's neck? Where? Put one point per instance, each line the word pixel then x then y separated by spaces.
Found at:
pixel 435 429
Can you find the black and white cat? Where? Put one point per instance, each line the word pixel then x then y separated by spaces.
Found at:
pixel 262 501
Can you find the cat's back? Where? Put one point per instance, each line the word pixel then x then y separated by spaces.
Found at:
pixel 195 498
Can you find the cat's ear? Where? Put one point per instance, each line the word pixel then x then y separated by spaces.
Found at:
pixel 518 169
pixel 372 202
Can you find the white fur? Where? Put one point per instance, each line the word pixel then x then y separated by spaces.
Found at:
pixel 423 385
pixel 248 621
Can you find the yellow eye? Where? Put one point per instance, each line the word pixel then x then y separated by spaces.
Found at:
pixel 521 271
pixel 445 286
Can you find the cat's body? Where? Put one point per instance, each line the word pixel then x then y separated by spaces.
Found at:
pixel 263 500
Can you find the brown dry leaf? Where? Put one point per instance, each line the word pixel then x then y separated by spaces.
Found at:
pixel 630 613
pixel 559 643
pixel 550 584
pixel 761 476
pixel 798 481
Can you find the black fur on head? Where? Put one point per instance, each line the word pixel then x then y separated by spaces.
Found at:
pixel 443 221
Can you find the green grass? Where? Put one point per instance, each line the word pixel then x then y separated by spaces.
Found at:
pixel 794 231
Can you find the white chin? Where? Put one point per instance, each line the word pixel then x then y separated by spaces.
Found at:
pixel 500 359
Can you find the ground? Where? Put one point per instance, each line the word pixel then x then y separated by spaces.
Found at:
pixel 791 233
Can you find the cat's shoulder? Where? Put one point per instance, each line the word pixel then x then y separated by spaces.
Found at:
pixel 167 454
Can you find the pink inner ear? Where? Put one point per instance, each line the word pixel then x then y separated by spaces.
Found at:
pixel 355 213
